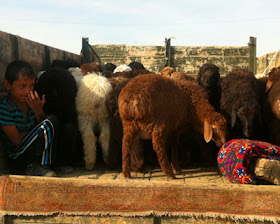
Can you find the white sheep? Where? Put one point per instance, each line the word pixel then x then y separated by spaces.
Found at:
pixel 77 73
pixel 122 68
pixel 93 116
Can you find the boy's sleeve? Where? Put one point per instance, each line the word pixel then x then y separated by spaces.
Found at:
pixel 6 116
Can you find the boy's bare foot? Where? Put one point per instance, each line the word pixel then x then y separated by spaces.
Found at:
pixel 268 169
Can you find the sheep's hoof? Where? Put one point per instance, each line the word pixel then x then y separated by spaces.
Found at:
pixel 127 175
pixel 269 170
pixel 177 171
pixel 89 166
pixel 139 169
pixel 171 177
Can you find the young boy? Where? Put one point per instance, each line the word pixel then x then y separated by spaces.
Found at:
pixel 25 132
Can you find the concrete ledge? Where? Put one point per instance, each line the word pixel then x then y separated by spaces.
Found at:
pixel 129 198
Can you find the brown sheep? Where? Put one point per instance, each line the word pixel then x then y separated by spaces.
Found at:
pixel 181 75
pixel 240 103
pixel 116 129
pixel 272 105
pixel 192 149
pixel 90 67
pixel 273 77
pixel 167 71
pixel 118 81
pixel 155 107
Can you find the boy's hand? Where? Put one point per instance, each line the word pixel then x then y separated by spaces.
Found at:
pixel 36 104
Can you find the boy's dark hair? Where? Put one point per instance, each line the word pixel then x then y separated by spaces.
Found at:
pixel 19 68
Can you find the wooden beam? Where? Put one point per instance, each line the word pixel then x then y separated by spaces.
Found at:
pixel 252 54
pixel 86 58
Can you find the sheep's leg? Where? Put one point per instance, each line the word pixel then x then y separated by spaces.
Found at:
pixel 89 141
pixel 127 144
pixel 104 139
pixel 159 145
pixel 115 144
pixel 137 156
pixel 174 158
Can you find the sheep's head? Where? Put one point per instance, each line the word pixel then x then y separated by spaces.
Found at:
pixel 136 65
pixel 87 68
pixel 167 71
pixel 273 76
pixel 208 75
pixel 215 129
pixel 181 76
pixel 248 115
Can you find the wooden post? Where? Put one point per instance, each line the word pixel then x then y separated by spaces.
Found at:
pixel 47 57
pixel 16 48
pixel 252 54
pixel 167 52
pixel 64 56
pixel 1 44
pixel 86 58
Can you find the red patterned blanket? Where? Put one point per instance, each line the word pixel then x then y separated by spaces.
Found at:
pixel 237 156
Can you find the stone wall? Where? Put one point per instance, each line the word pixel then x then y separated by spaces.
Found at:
pixel 267 62
pixel 184 58
pixel 38 55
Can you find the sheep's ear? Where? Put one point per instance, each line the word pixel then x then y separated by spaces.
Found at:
pixel 233 118
pixel 268 85
pixel 207 131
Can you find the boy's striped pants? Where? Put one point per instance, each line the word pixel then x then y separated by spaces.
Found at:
pixel 45 129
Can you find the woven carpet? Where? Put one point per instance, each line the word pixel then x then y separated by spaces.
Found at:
pixel 24 195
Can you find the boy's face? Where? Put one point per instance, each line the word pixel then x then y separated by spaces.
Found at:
pixel 20 88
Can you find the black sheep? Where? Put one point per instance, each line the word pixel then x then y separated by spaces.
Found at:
pixel 240 103
pixel 209 78
pixel 59 87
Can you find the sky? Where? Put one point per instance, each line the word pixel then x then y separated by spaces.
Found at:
pixel 63 23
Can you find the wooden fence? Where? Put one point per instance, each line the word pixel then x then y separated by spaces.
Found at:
pixel 183 58
pixel 40 56
pixel 154 58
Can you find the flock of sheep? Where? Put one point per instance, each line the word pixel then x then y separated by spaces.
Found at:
pixel 128 110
